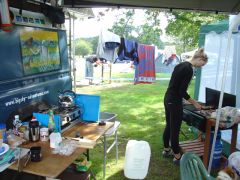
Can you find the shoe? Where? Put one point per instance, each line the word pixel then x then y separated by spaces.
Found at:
pixel 176 161
pixel 168 153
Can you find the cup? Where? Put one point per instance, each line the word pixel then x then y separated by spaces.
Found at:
pixel 36 154
pixel 44 134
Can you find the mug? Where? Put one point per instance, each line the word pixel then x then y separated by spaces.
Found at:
pixel 44 135
pixel 36 155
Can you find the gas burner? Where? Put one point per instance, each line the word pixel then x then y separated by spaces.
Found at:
pixel 67 114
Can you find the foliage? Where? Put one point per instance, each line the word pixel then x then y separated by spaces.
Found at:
pixel 150 32
pixel 83 47
pixel 94 43
pixel 123 26
pixel 184 27
pixel 147 33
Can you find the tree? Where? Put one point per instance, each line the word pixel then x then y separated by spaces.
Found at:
pixel 82 47
pixel 147 33
pixel 150 32
pixel 94 43
pixel 184 27
pixel 123 26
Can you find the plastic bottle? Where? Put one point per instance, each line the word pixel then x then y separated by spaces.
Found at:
pixel 17 122
pixel 51 123
pixel 216 162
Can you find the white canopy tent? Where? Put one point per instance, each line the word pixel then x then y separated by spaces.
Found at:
pixel 212 72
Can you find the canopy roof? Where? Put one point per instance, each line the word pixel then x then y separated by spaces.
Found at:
pixel 217 27
pixel 230 6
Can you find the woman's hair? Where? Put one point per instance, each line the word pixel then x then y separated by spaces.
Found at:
pixel 201 54
pixel 95 59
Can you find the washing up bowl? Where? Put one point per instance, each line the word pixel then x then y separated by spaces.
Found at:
pixel 106 116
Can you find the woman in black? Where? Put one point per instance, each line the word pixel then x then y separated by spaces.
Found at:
pixel 177 89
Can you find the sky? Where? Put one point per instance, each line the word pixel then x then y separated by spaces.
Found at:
pixel 92 27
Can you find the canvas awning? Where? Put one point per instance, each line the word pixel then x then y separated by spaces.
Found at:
pixel 232 6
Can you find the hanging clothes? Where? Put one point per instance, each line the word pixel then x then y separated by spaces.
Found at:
pixel 108 43
pixel 128 50
pixel 145 69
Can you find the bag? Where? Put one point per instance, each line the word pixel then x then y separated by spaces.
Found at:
pixel 55 14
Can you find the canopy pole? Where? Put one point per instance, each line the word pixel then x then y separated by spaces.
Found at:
pixel 74 59
pixel 232 26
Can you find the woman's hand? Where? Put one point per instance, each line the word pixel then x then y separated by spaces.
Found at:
pixel 197 105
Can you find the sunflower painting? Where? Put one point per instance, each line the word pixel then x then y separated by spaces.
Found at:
pixel 40 51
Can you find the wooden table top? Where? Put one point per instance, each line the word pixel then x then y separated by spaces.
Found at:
pixel 52 165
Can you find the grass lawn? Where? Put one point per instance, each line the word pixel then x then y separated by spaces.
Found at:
pixel 131 75
pixel 141 113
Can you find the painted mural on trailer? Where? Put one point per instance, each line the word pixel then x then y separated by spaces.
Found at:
pixel 40 51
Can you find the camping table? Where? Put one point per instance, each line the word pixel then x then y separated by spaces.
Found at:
pixel 202 148
pixel 53 165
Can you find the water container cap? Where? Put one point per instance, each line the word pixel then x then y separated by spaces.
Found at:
pixel 34 118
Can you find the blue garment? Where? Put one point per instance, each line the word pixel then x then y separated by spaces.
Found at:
pixel 128 50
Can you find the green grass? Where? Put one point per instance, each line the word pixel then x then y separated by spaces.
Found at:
pixel 141 113
pixel 131 75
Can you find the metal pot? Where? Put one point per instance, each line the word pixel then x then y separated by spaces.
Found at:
pixel 67 99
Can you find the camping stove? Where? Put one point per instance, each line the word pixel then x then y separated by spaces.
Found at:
pixel 67 114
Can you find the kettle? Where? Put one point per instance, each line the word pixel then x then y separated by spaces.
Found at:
pixel 66 98
pixel 34 130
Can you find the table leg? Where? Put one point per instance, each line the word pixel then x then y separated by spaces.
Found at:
pixel 207 143
pixel 88 157
pixel 234 138
pixel 105 156
pixel 116 141
pixel 87 154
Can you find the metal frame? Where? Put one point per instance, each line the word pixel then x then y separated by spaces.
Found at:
pixel 113 131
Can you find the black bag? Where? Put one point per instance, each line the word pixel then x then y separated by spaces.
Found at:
pixel 55 14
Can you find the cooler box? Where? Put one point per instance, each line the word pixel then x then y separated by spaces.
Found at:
pixel 89 105
pixel 137 158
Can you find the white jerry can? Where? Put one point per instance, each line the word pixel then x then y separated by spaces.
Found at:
pixel 137 157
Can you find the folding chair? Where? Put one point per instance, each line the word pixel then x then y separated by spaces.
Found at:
pixel 112 131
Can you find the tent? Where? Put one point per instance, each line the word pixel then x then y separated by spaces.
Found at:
pixel 212 72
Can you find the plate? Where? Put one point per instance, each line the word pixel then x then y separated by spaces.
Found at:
pixel 4 149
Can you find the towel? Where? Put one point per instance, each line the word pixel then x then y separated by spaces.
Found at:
pixel 145 69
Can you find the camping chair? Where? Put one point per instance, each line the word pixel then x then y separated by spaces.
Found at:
pixel 192 168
